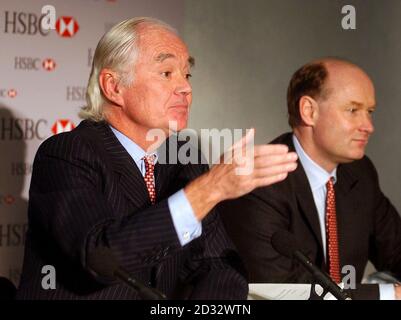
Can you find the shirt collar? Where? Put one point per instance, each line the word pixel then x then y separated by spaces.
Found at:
pixel 135 151
pixel 317 176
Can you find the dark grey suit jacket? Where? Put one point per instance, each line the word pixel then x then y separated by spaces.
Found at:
pixel 369 227
pixel 86 191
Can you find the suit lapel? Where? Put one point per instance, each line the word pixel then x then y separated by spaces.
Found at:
pixel 163 169
pixel 161 172
pixel 306 202
pixel 129 177
pixel 300 185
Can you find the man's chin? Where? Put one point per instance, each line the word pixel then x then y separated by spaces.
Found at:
pixel 178 124
pixel 354 157
pixel 360 154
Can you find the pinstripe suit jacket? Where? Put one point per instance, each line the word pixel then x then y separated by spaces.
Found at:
pixel 86 191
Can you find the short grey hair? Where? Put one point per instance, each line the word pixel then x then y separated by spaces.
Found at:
pixel 118 51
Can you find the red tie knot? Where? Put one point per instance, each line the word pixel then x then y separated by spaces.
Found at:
pixel 330 183
pixel 149 160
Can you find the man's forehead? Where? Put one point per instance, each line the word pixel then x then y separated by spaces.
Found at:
pixel 156 36
pixel 357 91
pixel 344 70
pixel 343 76
pixel 162 56
pixel 158 44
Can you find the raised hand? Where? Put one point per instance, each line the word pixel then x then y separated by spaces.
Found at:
pixel 242 168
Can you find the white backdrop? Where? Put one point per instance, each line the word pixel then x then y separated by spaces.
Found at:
pixel 43 76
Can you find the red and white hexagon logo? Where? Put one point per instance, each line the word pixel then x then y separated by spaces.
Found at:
pixel 62 126
pixel 12 93
pixel 67 26
pixel 9 199
pixel 49 64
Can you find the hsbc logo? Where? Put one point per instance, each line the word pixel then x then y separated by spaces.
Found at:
pixel 28 129
pixel 8 93
pixel 76 93
pixel 21 168
pixel 67 27
pixel 23 23
pixel 7 199
pixel 49 64
pixel 13 235
pixel 61 126
pixel 36 64
pixel 12 129
pixel 33 24
pixel 12 93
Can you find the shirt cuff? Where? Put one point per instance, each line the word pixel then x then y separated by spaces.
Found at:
pixel 186 225
pixel 386 291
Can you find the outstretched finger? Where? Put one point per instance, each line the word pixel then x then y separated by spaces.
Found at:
pixel 269 149
pixel 248 138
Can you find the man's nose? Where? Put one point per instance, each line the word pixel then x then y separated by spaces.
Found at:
pixel 367 123
pixel 183 86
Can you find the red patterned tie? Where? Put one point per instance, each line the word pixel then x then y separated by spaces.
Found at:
pixel 331 233
pixel 150 177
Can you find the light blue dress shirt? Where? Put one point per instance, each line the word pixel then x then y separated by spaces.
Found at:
pixel 185 223
pixel 318 177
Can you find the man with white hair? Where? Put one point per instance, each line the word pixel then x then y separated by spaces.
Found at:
pixel 101 186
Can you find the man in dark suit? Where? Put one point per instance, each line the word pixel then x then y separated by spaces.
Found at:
pixel 332 202
pixel 103 186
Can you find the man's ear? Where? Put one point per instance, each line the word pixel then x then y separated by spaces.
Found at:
pixel 308 109
pixel 111 87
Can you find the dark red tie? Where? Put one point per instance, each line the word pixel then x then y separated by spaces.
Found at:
pixel 333 256
pixel 150 177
